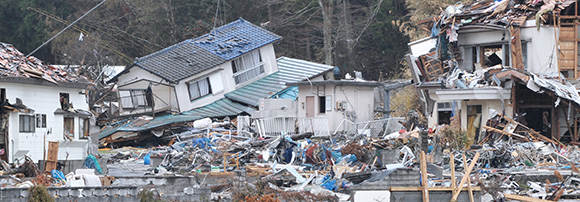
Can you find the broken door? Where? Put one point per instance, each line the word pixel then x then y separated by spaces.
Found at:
pixel 473 121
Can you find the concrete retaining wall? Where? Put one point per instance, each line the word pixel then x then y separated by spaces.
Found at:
pixel 102 194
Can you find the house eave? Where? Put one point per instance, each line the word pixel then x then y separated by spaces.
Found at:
pixel 487 93
pixel 40 82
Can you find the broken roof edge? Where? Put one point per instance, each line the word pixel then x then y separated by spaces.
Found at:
pixel 420 40
pixel 337 82
pixel 186 116
pixel 128 68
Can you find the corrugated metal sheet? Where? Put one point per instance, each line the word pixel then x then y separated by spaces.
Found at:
pixel 220 108
pixel 289 70
pixel 288 93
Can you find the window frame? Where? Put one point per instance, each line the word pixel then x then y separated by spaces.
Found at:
pixel 31 123
pixel 84 124
pixel 72 128
pixel 239 62
pixel 40 120
pixel 133 95
pixel 321 104
pixel 196 82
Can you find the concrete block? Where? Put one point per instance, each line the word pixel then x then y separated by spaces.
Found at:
pixel 87 192
pixel 99 192
pixel 75 192
pixel 63 192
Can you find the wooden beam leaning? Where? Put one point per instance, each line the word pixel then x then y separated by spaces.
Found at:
pixel 465 176
pixel 452 164
pixel 468 181
pixel 425 190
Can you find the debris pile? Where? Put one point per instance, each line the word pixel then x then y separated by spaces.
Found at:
pixel 15 64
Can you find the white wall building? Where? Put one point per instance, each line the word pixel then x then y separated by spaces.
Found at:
pixel 32 112
pixel 337 100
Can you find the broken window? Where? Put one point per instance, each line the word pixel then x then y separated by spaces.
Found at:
pixel 493 55
pixel 444 113
pixel 26 123
pixel 84 128
pixel 322 104
pixel 40 120
pixel 488 56
pixel 247 67
pixel 64 101
pixel 134 98
pixel 69 129
pixel 199 88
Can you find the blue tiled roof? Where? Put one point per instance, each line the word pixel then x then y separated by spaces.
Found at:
pixel 236 38
pixel 193 56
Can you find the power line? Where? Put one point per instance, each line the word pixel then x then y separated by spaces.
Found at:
pixel 61 31
pixel 217 8
pixel 104 44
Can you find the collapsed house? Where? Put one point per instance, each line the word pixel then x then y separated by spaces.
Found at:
pixel 41 103
pixel 506 58
pixel 221 74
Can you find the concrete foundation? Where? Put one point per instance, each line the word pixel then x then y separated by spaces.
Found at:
pixel 402 177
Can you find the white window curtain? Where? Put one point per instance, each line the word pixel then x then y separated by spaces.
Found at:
pixel 199 88
pixel 194 90
pixel 248 63
pixel 203 86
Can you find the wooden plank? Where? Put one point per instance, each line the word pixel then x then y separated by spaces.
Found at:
pixel 52 157
pixel 503 132
pixel 468 181
pixel 575 52
pixel 465 176
pixel 430 189
pixel 425 190
pixel 524 198
pixel 557 40
pixel 567 33
pixel 516 52
pixel 452 164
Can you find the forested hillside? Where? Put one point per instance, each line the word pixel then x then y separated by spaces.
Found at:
pixel 364 35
